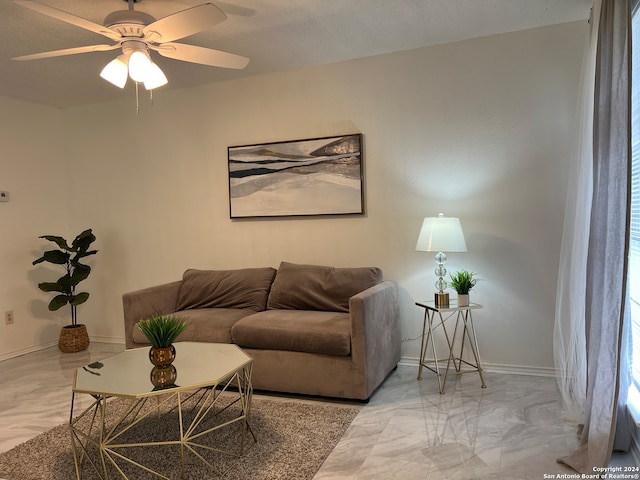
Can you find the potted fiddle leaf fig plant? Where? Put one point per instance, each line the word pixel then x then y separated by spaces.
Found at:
pixel 73 337
pixel 162 331
pixel 462 282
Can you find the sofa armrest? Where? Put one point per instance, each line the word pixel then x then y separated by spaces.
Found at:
pixel 375 333
pixel 143 303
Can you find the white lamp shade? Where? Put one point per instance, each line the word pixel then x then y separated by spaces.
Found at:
pixel 155 77
pixel 139 65
pixel 441 234
pixel 116 71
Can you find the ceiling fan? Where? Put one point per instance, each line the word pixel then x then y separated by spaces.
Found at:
pixel 136 33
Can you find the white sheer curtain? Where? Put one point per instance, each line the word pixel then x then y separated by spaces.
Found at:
pixel 606 275
pixel 569 334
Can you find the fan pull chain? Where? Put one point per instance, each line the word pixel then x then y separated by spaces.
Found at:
pixel 138 100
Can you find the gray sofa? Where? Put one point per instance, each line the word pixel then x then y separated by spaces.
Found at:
pixel 311 329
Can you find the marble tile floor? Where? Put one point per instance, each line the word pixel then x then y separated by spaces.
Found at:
pixel 511 430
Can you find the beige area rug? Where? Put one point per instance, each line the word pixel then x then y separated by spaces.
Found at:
pixel 293 439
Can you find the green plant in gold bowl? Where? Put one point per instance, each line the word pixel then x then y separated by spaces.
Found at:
pixel 162 331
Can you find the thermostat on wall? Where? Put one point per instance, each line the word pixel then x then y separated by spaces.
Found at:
pixel 4 196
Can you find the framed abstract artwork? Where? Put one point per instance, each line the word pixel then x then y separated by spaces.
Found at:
pixel 317 176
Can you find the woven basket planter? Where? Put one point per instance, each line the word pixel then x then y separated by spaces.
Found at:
pixel 73 338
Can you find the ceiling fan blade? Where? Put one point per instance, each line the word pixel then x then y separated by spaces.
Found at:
pixel 68 51
pixel 67 17
pixel 184 23
pixel 201 55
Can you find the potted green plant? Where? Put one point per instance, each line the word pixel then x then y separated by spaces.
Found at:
pixel 462 282
pixel 162 331
pixel 73 337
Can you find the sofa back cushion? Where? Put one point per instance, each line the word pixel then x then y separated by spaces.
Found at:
pixel 243 288
pixel 315 287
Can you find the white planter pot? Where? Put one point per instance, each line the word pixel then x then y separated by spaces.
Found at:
pixel 463 299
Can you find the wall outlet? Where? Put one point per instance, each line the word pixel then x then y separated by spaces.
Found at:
pixel 4 196
pixel 8 317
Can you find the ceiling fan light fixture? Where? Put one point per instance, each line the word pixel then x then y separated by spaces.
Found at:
pixel 116 71
pixel 155 77
pixel 139 66
pixel 136 32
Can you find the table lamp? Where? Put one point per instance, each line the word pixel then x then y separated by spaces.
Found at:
pixel 441 234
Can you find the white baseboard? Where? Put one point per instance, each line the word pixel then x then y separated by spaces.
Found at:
pixel 520 370
pixel 101 339
pixel 53 343
pixel 497 368
pixel 24 351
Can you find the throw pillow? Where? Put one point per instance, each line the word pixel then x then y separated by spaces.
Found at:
pixel 243 288
pixel 315 287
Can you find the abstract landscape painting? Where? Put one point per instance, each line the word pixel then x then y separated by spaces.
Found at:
pixel 319 176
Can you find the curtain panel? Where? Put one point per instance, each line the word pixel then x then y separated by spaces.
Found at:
pixel 569 347
pixel 608 237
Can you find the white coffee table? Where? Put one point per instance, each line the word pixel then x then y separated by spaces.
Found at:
pixel 219 374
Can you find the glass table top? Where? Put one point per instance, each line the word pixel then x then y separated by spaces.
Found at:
pixel 453 306
pixel 129 373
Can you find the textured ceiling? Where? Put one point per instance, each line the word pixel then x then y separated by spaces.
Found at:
pixel 276 35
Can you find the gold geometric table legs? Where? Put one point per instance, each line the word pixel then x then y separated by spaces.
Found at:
pixel 463 334
pixel 108 436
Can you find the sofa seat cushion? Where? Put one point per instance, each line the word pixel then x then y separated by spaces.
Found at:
pixel 205 325
pixel 316 287
pixel 242 288
pixel 295 330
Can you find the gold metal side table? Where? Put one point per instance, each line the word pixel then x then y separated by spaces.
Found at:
pixel 435 317
pixel 207 379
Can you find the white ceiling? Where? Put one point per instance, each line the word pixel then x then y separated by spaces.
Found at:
pixel 276 35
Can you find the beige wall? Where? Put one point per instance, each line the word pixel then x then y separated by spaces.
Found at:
pixel 479 129
pixel 35 172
